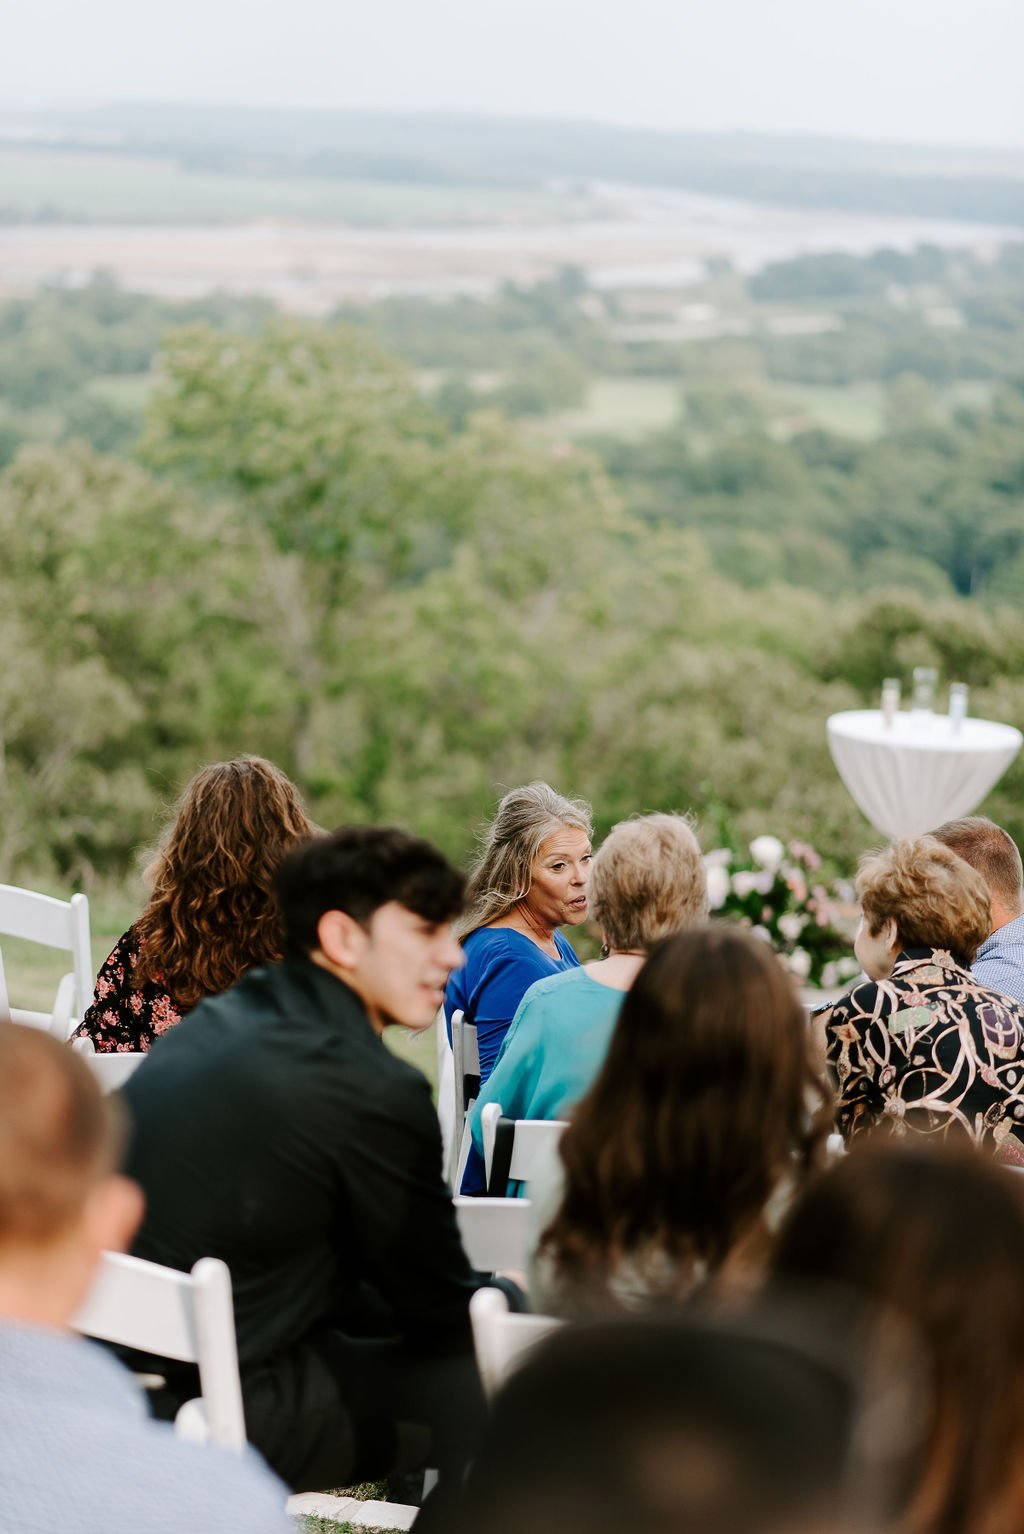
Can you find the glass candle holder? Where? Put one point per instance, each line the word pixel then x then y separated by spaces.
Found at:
pixel 958 694
pixel 890 700
pixel 925 679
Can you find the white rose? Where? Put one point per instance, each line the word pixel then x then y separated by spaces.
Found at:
pixel 847 968
pixel 718 886
pixel 799 963
pixel 721 857
pixel 744 883
pixel 791 925
pixel 764 881
pixel 767 851
pixel 762 933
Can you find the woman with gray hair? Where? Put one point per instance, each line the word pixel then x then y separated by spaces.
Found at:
pixel 648 882
pixel 530 880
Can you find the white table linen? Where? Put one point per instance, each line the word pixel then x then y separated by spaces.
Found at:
pixel 910 777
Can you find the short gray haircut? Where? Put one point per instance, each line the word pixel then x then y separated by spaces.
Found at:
pixel 648 881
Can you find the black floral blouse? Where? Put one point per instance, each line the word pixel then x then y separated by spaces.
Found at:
pixel 124 1016
pixel 930 1051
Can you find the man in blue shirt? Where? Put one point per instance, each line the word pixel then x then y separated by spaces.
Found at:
pixel 999 962
pixel 78 1451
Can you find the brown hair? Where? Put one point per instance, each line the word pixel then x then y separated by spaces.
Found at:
pixel 705 1102
pixel 936 1233
pixel 58 1135
pixel 212 913
pixel 990 850
pixel 935 898
pixel 647 881
pixel 501 878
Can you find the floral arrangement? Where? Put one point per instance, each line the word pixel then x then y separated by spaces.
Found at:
pixel 780 894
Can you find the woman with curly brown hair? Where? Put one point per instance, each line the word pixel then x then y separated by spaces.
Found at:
pixel 211 914
pixel 702 1123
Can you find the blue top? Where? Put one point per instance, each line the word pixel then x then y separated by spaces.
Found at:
pixel 553 1050
pixel 999 962
pixel 501 965
pixel 79 1453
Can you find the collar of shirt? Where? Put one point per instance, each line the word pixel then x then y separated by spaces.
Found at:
pixel 1009 935
pixel 938 958
pixel 49 1363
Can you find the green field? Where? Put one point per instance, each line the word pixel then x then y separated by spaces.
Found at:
pixel 96 189
pixel 633 407
pixel 619 407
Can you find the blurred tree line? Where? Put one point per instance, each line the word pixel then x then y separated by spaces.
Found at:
pixel 305 559
pixel 412 601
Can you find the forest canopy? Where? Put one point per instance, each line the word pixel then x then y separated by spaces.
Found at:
pixel 377 551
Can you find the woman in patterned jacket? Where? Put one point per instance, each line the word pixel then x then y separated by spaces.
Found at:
pixel 922 1047
pixel 211 915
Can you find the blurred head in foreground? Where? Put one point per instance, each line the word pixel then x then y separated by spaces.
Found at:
pixel 61 1202
pixel 706 1107
pixel 665 1427
pixel 935 1233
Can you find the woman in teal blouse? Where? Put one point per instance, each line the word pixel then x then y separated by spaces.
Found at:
pixel 647 881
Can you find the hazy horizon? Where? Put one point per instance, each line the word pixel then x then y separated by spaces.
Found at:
pixel 893 71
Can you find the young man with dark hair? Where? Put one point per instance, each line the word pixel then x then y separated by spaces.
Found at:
pixel 77 1449
pixel 992 852
pixel 274 1129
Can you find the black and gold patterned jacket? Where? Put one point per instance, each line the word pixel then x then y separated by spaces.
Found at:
pixel 930 1051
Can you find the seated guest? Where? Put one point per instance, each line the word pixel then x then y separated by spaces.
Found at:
pixel 211 915
pixel 934 1234
pixel 673 1426
pixel 922 1046
pixel 78 1451
pixel 999 962
pixel 703 1120
pixel 531 880
pixel 647 882
pixel 274 1129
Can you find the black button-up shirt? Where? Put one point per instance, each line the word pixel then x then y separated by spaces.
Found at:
pixel 274 1129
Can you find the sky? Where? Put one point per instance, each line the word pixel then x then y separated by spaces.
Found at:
pixel 927 71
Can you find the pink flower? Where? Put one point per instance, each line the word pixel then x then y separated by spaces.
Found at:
pixel 165 1015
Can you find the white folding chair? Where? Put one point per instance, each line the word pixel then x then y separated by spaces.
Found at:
pixel 61 924
pixel 532 1142
pixel 466 1056
pixel 186 1316
pixel 110 1068
pixel 495 1232
pixel 466 1072
pixel 501 1339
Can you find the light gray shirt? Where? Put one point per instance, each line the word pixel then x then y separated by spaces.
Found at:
pixel 999 962
pixel 79 1453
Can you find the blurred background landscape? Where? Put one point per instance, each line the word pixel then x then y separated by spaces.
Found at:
pixel 427 452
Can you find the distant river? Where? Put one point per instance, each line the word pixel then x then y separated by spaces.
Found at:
pixel 646 237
